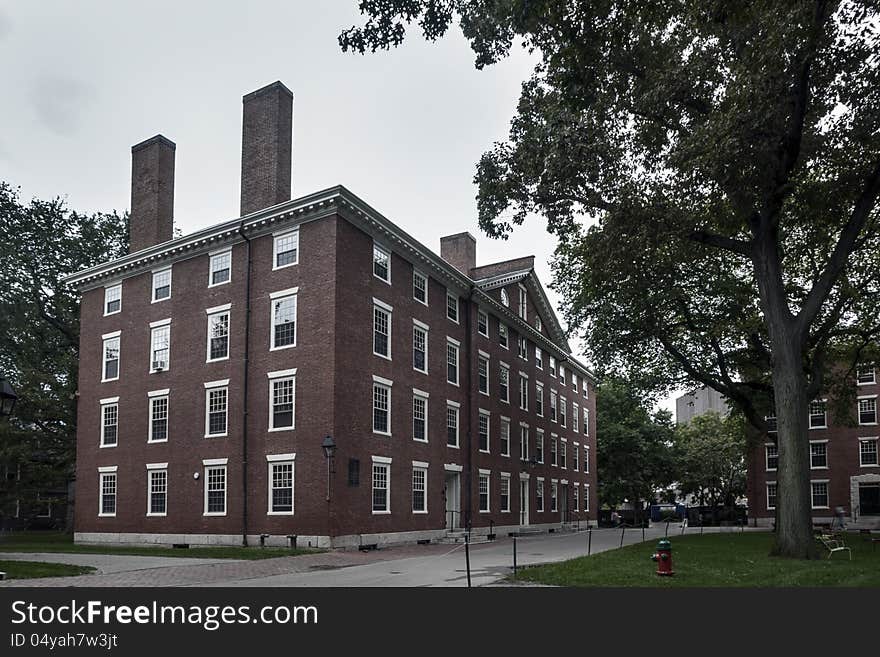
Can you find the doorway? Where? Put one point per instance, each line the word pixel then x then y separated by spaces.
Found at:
pixel 869 499
pixel 523 502
pixel 563 503
pixel 452 493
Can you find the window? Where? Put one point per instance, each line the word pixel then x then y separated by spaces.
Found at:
pixel 817 415
pixel 420 416
pixel 539 446
pixel 584 388
pixel 381 485
pixel 864 375
pixel 220 268
pixel 523 310
pixel 523 393
pixel 282 398
pixel 452 361
pixel 160 345
pixel 539 358
pixel 502 335
pixel 867 410
pixel 283 319
pixel 553 416
pixel 110 365
pixel 452 307
pixel 523 442
pixel 522 347
pixel 354 472
pixel 553 457
pixel 505 299
pixel 575 417
pixel 109 422
pixel 539 399
pixel 218 335
pixel 158 417
pixel 483 431
pixel 586 421
pixel 576 458
pixel 420 287
pixel 576 504
pixel 286 249
pixel 107 485
pixel 563 415
pixel 561 374
pixel 381 329
pixel 553 366
pixel 452 424
pixel 538 325
pixel 819 490
pixel 771 423
pixel 161 285
pixel 505 436
pixel 867 452
pixel 419 489
pixel 381 406
pixel 504 383
pixel 771 494
pixel 113 299
pixel 553 496
pixel 280 484
pixel 586 497
pixel 484 491
pixel 771 456
pixel 539 496
pixel 215 490
pixel 157 491
pixel 420 347
pixel 586 458
pixel 483 323
pixel 216 406
pixel 381 263
pixel 505 493
pixel 574 381
pixel 483 374
pixel 818 455
pixel 563 454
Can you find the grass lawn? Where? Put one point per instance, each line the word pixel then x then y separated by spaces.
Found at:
pixel 734 559
pixel 32 569
pixel 59 542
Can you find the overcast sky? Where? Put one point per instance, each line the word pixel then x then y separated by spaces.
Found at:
pixel 401 129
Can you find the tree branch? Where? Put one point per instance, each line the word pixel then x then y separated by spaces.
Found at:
pixel 739 247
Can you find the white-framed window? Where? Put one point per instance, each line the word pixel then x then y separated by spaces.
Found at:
pixel 505 492
pixel 563 454
pixel 574 381
pixel 420 287
pixel 161 285
pixel 504 383
pixel 215 489
pixel 110 356
pixel 484 491
pixel 505 299
pixel 586 421
pixel 452 413
pixel 381 485
pixel 381 329
pixel 539 399
pixel 216 408
pixel 483 374
pixel 818 455
pixel 451 307
pixel 586 497
pixel 281 480
pixel 523 393
pixel 868 410
pixel 575 417
pixel 562 373
pixel 539 327
pixel 554 459
pixel 157 489
pixel 382 263
pixel 522 347
pixel 218 335
pixel 452 348
pixel 282 400
pixel 554 503
pixel 420 415
pixel 818 419
pixel 112 299
pixel 381 406
pixel 552 368
pixel 502 336
pixel 539 445
pixel 285 249
pixel 483 431
pixel 483 323
pixel 504 436
pixel 283 319
pixel 420 488
pixel 420 347
pixel 819 493
pixel 864 376
pixel 771 423
pixel 576 457
pixel 539 495
pixel 539 358
pixel 107 491
pixel 587 458
pixel 771 456
pixel 563 412
pixel 220 268
pixel 523 442
pixel 110 422
pixel 584 388
pixel 868 452
pixel 159 404
pixel 523 306
pixel 771 495
pixel 160 345
pixel 553 406
pixel 576 504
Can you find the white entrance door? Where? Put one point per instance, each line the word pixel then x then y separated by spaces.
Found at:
pixel 453 500
pixel 523 502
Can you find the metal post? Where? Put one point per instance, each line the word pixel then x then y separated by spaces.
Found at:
pixel 589 540
pixel 666 533
pixel 467 556
pixel 514 554
pixel 622 530
pixel 643 533
pixel 701 526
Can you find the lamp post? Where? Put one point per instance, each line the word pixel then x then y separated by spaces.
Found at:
pixel 7 398
pixel 329 447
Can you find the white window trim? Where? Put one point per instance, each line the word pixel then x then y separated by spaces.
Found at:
pixel 455 343
pixel 422 395
pixel 767 495
pixel 873 380
pixel 424 277
pixel 385 383
pixel 213 312
pixel 874 439
pixel 484 413
pixel 506 344
pixel 104 339
pixel 457 407
pixel 153 397
pixel 103 472
pixel 450 295
pixel 827 487
pixel 486 315
pixel 866 424
pixel 211 256
pixel 216 463
pixel 272 381
pixel 505 476
pixel 423 466
pixel 280 294
pixel 386 308
pixel 386 461
pixel 280 459
pixel 825 415
pixel 504 420
pixel 153 284
pixel 278 236
pixel 156 467
pixel 109 401
pixel 488 474
pixel 110 287
pixel 485 357
pixel 819 467
pixel 215 385
pixel 523 310
pixel 155 326
pixel 387 252
pixel 767 467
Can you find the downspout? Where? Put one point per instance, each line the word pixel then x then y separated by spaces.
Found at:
pixel 469 475
pixel 244 421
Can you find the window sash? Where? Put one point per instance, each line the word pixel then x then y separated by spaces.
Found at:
pixel 452 307
pixel 420 418
pixel 218 403
pixel 381 332
pixel 420 287
pixel 483 432
pixel 452 426
pixel 109 425
pixel 281 479
pixel 158 492
pixel 108 494
pixel 215 490
pixel 380 488
pixel 419 490
pixel 160 346
pixel 162 285
pixel 221 268
pixel 451 363
pixel 286 250
pixel 868 452
pixel 111 358
pixel 381 408
pixel 483 375
pixel 112 299
pixel 158 419
pixel 381 263
pixel 218 336
pixel 283 402
pixel 284 321
pixel 818 455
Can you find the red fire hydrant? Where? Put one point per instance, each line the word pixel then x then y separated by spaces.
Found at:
pixel 663 557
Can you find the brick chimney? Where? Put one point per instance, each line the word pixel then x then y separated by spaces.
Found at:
pixel 460 251
pixel 266 145
pixel 152 193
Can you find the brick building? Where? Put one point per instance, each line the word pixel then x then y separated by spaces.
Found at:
pixel 214 365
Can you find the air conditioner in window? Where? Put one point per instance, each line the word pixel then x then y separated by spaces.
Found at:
pixel 158 365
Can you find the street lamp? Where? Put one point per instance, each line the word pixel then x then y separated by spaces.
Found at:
pixel 7 398
pixel 329 447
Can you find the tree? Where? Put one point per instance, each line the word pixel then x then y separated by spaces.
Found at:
pixel 711 452
pixel 711 171
pixel 634 447
pixel 40 243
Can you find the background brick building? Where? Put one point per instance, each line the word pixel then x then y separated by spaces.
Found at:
pixel 214 365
